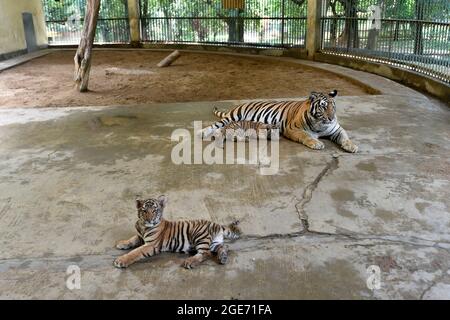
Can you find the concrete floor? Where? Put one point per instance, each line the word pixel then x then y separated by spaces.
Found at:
pixel 68 178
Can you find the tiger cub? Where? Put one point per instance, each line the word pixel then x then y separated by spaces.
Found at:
pixel 243 130
pixel 155 235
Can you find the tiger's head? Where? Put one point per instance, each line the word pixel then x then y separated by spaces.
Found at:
pixel 150 211
pixel 322 106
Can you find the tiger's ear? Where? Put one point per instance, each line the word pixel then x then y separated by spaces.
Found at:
pixel 313 96
pixel 162 201
pixel 333 93
pixel 139 203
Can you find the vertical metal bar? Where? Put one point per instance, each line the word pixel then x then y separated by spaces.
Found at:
pixel 390 40
pixel 282 21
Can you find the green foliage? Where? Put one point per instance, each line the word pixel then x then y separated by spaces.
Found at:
pixel 61 10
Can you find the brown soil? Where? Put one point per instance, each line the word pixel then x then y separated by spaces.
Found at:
pixel 131 77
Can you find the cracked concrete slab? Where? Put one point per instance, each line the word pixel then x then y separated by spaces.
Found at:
pixel 302 267
pixel 68 179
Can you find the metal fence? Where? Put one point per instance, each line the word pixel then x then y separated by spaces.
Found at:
pixel 413 34
pixel 64 20
pixel 261 23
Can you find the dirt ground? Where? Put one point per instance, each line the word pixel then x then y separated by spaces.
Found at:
pixel 131 77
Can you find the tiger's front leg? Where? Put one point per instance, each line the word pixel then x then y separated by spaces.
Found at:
pixel 131 243
pixel 222 254
pixel 341 138
pixel 304 138
pixel 196 259
pixel 144 251
pixel 203 253
pixel 349 146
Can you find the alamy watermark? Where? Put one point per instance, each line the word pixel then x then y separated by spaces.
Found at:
pixel 190 149
pixel 73 280
pixel 373 281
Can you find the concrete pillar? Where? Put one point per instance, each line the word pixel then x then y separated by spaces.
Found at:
pixel 313 28
pixel 133 18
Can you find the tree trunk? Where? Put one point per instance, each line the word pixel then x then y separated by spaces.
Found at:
pixel 349 36
pixel 84 52
pixel 418 41
pixel 199 29
pixel 168 26
pixel 333 24
pixel 396 30
pixel 145 21
pixel 167 61
pixel 372 39
pixel 236 27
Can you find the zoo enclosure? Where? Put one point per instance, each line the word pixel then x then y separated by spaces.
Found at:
pixel 412 34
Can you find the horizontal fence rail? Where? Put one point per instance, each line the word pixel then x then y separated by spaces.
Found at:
pixel 261 23
pixel 64 20
pixel 413 34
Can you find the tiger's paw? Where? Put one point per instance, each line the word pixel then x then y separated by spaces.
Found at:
pixel 121 262
pixel 123 245
pixel 349 146
pixel 223 257
pixel 190 263
pixel 315 144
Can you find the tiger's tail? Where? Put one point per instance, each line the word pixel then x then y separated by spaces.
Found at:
pixel 232 231
pixel 219 114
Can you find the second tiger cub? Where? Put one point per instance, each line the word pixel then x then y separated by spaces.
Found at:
pixel 155 235
pixel 243 130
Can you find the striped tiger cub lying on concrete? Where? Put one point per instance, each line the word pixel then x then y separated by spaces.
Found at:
pixel 156 235
pixel 243 130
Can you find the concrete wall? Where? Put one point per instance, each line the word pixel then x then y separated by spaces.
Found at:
pixel 12 35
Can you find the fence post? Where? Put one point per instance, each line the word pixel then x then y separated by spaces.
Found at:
pixel 313 35
pixel 133 19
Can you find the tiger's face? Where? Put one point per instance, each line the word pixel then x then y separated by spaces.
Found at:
pixel 323 106
pixel 150 211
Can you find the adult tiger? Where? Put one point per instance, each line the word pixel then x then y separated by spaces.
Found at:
pixel 301 121
pixel 155 235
